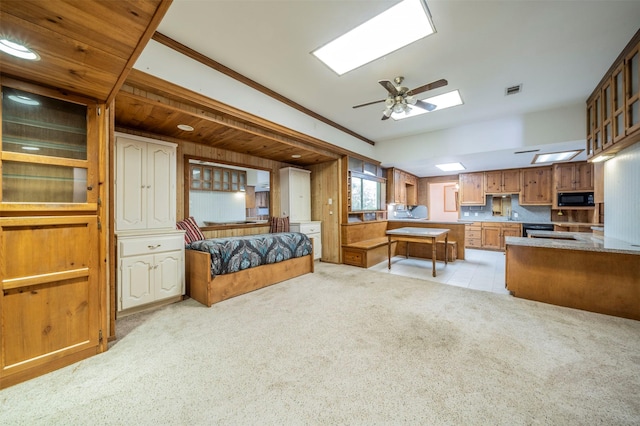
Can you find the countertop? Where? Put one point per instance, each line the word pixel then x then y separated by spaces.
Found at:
pixel 574 241
pixel 408 220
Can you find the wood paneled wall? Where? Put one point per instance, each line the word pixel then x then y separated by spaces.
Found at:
pixel 326 185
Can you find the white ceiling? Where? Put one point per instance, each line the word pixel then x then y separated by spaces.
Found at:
pixel 558 51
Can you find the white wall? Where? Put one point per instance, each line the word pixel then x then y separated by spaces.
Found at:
pixel 622 195
pixel 436 203
pixel 167 64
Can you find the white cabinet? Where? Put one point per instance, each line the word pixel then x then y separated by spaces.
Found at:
pixel 295 194
pixel 151 268
pixel 150 251
pixel 313 230
pixel 145 184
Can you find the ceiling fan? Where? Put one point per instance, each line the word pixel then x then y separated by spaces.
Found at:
pixel 401 99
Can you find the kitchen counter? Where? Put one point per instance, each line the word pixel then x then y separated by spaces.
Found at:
pixel 576 270
pixel 574 241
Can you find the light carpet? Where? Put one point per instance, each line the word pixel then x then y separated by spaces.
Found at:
pixel 349 346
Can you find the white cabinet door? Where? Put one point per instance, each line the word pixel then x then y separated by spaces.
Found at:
pixel 145 185
pixel 161 186
pixel 295 195
pixel 137 278
pixel 131 172
pixel 169 275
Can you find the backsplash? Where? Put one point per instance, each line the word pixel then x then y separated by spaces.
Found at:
pixel 531 214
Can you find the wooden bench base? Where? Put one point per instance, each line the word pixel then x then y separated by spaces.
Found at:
pixel 366 253
pixel 423 250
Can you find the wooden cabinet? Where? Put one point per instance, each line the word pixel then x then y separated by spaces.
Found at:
pixel 250 197
pixel 402 187
pixel 472 189
pixel 491 235
pixel 473 235
pixel 295 194
pixel 145 184
pixel 150 269
pixel 262 199
pixel 313 230
pixel 573 176
pixel 536 186
pixel 502 181
pixel 210 178
pixel 52 310
pixel 494 233
pixel 613 109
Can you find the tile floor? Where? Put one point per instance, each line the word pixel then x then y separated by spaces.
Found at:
pixel 481 270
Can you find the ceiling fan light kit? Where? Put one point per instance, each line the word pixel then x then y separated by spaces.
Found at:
pixel 400 98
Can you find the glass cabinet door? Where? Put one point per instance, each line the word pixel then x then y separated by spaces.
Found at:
pixel 45 156
pixel 196 177
pixel 207 178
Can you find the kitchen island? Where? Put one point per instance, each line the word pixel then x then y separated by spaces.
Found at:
pixel 575 270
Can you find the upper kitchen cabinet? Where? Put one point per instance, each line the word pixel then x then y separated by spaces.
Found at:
pixel 472 189
pixel 402 187
pixel 613 109
pixel 502 181
pixel 536 186
pixel 569 177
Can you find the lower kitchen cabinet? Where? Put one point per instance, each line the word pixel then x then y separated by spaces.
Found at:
pixel 150 269
pixel 313 230
pixel 494 233
pixel 473 235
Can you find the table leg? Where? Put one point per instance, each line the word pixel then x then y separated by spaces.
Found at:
pixel 446 247
pixel 433 255
pixel 389 250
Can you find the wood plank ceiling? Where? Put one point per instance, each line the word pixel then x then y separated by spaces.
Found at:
pixel 150 106
pixel 87 47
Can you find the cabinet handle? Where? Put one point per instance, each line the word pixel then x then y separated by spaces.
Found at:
pixel 89 188
pixel 153 247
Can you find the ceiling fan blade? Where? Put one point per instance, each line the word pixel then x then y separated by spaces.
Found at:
pixel 390 87
pixel 369 103
pixel 385 116
pixel 426 105
pixel 430 86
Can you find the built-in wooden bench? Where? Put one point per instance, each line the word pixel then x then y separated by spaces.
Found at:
pixel 365 244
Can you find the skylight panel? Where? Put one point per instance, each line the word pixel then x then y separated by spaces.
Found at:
pixel 378 36
pixel 443 101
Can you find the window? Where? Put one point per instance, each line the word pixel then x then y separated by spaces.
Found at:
pixel 367 193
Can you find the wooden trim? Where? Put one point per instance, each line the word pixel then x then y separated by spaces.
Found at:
pixel 181 48
pixel 12 283
pixel 162 9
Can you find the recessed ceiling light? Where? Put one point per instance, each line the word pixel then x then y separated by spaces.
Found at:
pixel 398 26
pixel 185 127
pixel 450 167
pixel 18 50
pixel 296 155
pixel 553 157
pixel 25 100
pixel 446 100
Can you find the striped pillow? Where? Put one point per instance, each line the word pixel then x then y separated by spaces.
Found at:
pixel 279 224
pixel 192 233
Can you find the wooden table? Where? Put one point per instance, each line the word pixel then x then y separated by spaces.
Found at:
pixel 419 235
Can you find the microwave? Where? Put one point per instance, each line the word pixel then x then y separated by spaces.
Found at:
pixel 575 199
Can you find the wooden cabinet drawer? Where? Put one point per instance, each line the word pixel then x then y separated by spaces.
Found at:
pixel 472 233
pixel 352 257
pixel 132 246
pixel 474 242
